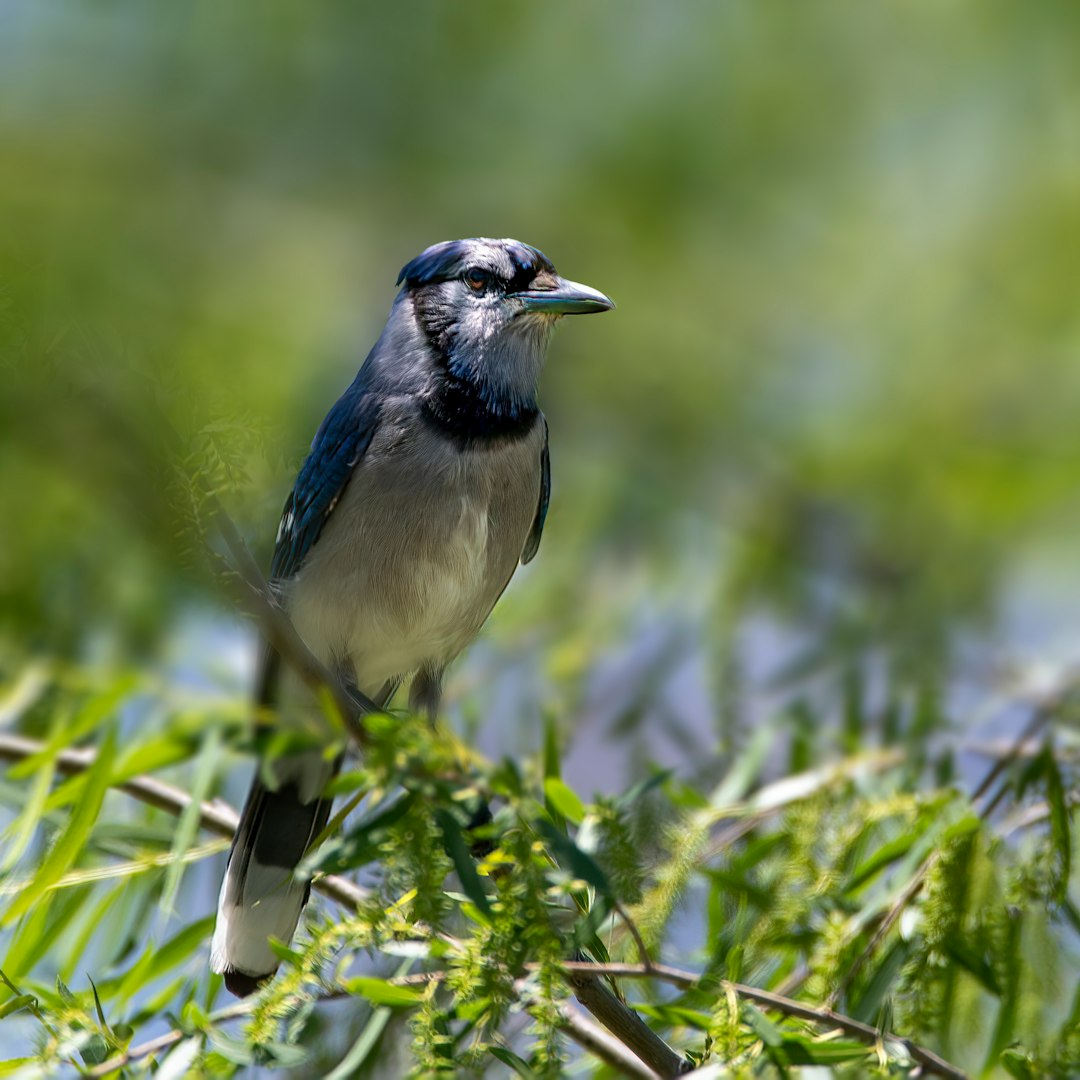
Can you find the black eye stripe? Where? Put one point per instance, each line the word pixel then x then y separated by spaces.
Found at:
pixel 478 277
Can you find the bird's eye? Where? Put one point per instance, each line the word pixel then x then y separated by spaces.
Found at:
pixel 477 279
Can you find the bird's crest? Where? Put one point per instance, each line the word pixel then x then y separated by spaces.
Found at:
pixel 508 258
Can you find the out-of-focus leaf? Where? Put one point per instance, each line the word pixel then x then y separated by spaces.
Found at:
pixel 361 1050
pixel 360 845
pixel 284 1055
pixel 156 962
pixel 71 840
pixel 1060 825
pixel 187 827
pixel 805 1050
pixel 381 992
pixel 881 858
pixel 178 1064
pixel 16 1004
pixel 231 1047
pixel 514 1061
pixel 552 755
pixel 572 859
pixel 765 1029
pixel 22 829
pixel 676 1015
pixel 95 1050
pixel 563 798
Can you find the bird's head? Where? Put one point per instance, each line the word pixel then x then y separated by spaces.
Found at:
pixel 487 308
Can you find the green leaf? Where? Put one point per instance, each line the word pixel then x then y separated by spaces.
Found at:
pixel 96 1049
pixel 284 1055
pixel 73 838
pixel 517 1063
pixel 361 844
pixel 563 798
pixel 881 858
pixel 16 1004
pixel 642 788
pixel 551 748
pixel 381 992
pixel 360 1050
pixel 22 829
pixel 804 1050
pixel 458 851
pixel 180 1061
pixel 676 1015
pixel 233 1049
pixel 154 963
pixel 763 1027
pixel 571 858
pixel 1016 1063
pixel 1060 826
pixel 187 828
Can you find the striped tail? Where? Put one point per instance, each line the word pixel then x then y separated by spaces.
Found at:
pixel 260 897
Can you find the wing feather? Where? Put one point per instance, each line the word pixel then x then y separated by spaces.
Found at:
pixel 340 443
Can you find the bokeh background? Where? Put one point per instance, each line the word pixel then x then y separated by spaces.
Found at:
pixel 833 417
pixel 825 452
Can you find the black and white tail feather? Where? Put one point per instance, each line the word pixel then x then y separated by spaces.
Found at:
pixel 260 896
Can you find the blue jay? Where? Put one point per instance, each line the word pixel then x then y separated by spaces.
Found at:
pixel 427 484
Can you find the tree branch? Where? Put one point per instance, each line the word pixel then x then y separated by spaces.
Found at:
pixel 828 1018
pixel 594 1039
pixel 625 1024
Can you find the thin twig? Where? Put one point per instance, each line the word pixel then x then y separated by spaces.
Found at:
pixel 635 933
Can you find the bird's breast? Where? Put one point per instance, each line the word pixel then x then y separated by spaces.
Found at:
pixel 421 544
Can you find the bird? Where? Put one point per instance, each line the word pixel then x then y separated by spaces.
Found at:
pixel 426 486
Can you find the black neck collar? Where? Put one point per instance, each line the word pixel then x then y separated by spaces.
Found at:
pixel 461 411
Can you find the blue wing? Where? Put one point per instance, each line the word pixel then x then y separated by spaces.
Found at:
pixel 339 444
pixel 533 542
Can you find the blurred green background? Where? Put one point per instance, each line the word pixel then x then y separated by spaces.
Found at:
pixel 835 414
pixel 816 477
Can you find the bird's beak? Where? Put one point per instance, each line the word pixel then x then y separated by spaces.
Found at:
pixel 564 298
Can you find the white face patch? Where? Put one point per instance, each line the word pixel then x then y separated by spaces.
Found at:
pixel 502 351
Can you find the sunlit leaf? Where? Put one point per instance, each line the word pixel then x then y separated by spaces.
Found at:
pixel 564 799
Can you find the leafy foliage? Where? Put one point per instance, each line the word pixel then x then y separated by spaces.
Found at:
pixel 469 917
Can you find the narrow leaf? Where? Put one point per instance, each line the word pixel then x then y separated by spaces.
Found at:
pixel 564 799
pixel 456 848
pixel 71 841
pixel 381 992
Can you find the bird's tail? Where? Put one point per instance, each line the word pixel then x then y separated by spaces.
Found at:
pixel 260 898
